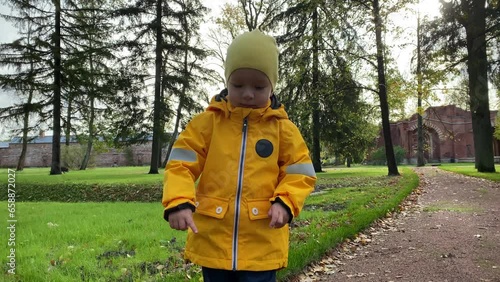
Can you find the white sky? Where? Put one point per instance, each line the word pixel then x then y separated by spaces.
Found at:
pixel 7 34
pixel 408 21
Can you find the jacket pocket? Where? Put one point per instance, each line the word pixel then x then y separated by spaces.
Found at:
pixel 211 206
pixel 258 209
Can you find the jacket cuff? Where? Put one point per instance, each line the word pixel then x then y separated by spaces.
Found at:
pixel 182 206
pixel 288 210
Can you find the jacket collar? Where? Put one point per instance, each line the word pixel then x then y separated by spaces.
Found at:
pixel 274 108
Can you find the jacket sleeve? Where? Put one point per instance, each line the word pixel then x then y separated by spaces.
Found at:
pixel 296 177
pixel 185 164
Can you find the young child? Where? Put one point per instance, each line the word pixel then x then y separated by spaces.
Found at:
pixel 254 172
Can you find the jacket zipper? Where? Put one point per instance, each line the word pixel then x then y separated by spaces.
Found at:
pixel 238 192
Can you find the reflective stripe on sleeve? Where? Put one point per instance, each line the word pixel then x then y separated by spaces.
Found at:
pixel 178 154
pixel 305 169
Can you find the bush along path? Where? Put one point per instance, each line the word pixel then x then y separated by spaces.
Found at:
pixel 448 229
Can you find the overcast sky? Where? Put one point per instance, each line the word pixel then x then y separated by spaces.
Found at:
pixel 8 31
pixel 8 34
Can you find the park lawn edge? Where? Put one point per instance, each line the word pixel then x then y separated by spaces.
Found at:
pixel 357 222
pixel 350 224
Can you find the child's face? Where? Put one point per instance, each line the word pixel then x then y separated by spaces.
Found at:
pixel 249 88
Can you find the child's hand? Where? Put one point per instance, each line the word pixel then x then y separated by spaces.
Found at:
pixel 279 216
pixel 181 220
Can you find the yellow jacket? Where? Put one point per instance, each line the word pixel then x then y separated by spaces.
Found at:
pixel 245 159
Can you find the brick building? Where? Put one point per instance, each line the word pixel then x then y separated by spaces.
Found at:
pixel 39 153
pixel 447 132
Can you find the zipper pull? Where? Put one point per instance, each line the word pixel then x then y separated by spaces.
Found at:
pixel 245 124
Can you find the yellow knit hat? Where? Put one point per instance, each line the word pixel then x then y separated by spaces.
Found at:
pixel 253 50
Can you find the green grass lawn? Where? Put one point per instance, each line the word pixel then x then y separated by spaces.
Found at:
pixel 92 241
pixel 116 175
pixel 469 169
pixel 129 241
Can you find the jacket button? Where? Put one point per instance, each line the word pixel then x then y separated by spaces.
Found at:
pixel 255 211
pixel 197 204
pixel 218 210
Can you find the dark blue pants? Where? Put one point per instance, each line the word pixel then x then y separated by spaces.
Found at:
pixel 218 275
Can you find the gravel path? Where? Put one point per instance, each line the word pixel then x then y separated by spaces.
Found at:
pixel 448 230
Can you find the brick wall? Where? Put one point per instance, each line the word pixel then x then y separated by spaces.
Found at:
pixel 448 135
pixel 40 155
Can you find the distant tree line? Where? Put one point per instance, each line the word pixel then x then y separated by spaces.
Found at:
pixel 87 67
pixel 125 71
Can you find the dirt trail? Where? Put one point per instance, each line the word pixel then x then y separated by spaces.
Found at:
pixel 449 231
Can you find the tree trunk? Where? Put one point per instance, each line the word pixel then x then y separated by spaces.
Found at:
pixel 22 157
pixel 155 149
pixel 26 118
pixel 382 93
pixel 477 68
pixel 92 95
pixel 67 128
pixel 316 147
pixel 174 135
pixel 90 140
pixel 181 98
pixel 420 134
pixel 56 137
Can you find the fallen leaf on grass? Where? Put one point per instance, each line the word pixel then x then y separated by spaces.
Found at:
pixel 357 275
pixel 50 224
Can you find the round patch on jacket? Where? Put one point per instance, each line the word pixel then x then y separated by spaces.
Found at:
pixel 264 148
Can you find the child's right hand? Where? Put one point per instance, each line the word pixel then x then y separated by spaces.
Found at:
pixel 181 220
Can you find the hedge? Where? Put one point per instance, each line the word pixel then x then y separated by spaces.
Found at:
pixel 87 193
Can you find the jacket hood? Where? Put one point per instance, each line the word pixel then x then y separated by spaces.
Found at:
pixel 274 109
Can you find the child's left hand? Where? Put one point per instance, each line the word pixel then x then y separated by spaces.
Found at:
pixel 279 216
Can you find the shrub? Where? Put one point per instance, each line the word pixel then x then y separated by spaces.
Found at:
pixel 378 156
pixel 129 156
pixel 81 192
pixel 399 154
pixel 72 156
